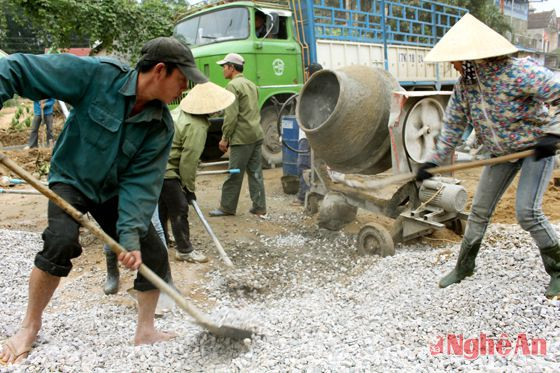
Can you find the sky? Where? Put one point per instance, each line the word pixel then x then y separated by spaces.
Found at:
pixel 546 5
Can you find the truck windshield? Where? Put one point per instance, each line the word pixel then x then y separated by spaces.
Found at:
pixel 225 24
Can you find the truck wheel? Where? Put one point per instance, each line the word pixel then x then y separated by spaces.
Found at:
pixel 271 147
pixel 211 150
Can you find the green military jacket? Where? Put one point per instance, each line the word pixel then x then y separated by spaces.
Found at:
pixel 187 147
pixel 242 119
pixel 102 151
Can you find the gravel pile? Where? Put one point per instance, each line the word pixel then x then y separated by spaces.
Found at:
pixel 317 305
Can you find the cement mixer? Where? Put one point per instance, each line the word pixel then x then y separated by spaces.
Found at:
pixel 361 124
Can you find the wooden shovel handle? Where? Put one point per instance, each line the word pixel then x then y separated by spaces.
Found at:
pixel 99 233
pixel 411 176
pixel 480 163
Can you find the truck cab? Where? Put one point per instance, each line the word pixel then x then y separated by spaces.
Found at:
pixel 264 34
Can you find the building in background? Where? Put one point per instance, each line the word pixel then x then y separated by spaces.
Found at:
pixel 517 12
pixel 536 34
pixel 543 29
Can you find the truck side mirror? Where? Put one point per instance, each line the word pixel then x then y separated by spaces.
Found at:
pixel 272 23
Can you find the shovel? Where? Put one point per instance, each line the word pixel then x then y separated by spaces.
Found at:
pixel 219 246
pixel 200 318
pixel 410 176
pixel 18 191
pixel 211 164
pixel 216 172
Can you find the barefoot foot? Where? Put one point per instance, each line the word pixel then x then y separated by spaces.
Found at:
pixel 17 347
pixel 151 337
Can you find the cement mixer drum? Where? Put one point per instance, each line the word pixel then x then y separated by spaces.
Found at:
pixel 344 113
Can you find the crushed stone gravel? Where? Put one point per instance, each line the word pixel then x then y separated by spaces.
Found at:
pixel 316 306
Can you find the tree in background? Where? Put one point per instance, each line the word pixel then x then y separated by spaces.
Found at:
pixel 124 25
pixel 485 11
pixel 17 36
pixel 120 25
pixel 3 23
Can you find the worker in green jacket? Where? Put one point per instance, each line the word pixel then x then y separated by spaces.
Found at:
pixel 191 128
pixel 109 161
pixel 243 135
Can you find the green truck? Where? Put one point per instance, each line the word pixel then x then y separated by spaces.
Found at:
pixel 391 34
pixel 273 62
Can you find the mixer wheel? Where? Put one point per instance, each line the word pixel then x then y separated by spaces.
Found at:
pixel 375 239
pixel 312 204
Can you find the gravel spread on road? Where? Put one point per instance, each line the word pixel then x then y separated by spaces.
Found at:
pixel 315 304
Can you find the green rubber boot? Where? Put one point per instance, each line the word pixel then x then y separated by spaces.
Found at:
pixel 112 283
pixel 551 260
pixel 464 267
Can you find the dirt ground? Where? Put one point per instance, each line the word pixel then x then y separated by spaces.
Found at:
pixel 11 137
pixel 28 213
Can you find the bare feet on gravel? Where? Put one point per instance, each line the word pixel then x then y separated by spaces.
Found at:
pixel 152 337
pixel 17 347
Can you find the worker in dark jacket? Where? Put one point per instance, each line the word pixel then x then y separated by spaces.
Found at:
pixel 109 161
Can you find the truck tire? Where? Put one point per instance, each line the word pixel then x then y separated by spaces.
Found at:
pixel 211 150
pixel 271 147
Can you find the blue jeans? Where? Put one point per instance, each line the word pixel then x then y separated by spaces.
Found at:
pixel 533 181
pixel 34 135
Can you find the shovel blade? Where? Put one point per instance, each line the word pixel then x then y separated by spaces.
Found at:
pixel 227 331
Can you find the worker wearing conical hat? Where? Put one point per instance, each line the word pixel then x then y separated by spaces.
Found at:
pixel 191 128
pixel 505 100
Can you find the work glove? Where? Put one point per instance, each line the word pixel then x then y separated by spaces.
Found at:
pixel 422 174
pixel 190 196
pixel 546 147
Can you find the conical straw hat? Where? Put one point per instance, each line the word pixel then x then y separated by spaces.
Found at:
pixel 207 98
pixel 469 39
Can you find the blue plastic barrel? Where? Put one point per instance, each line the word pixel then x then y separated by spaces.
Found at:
pixel 290 137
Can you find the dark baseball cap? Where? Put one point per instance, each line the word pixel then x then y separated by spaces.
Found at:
pixel 168 49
